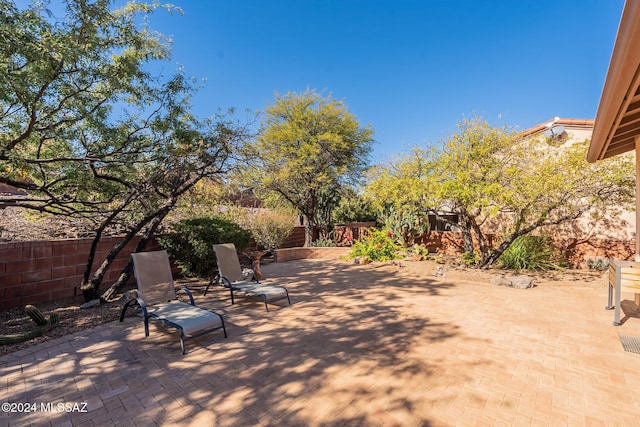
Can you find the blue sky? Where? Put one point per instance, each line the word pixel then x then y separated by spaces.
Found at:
pixel 410 69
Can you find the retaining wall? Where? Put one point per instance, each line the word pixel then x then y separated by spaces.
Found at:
pixel 290 254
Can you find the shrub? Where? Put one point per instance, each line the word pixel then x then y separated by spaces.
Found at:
pixel 598 264
pixel 270 228
pixel 324 242
pixel 191 243
pixel 418 252
pixel 377 245
pixel 470 258
pixel 531 253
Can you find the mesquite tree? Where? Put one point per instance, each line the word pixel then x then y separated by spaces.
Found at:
pixel 87 131
pixel 489 175
pixel 308 145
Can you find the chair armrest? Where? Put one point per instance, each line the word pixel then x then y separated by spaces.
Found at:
pixel 188 292
pixel 135 301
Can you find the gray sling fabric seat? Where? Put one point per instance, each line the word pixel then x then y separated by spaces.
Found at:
pixel 157 299
pixel 230 275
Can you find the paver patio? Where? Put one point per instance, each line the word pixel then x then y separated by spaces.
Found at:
pixel 358 346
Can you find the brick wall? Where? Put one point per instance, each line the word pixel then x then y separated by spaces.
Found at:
pixel 38 271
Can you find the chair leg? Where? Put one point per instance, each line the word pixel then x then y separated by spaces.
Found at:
pixel 224 328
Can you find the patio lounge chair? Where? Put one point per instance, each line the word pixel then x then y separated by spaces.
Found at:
pixel 156 299
pixel 230 276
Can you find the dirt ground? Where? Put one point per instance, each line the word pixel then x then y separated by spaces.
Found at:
pixel 74 319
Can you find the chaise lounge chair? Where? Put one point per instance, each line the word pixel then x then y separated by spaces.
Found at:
pixel 230 276
pixel 156 299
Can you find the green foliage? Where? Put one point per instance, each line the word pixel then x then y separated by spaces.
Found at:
pixel 353 208
pixel 598 264
pixel 376 245
pixel 307 148
pixel 418 252
pixel 406 226
pixel 488 175
pixel 323 242
pixel 191 243
pixel 470 258
pixel 531 253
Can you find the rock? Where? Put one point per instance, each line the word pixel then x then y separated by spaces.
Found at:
pixel 440 271
pixel 521 281
pixel 92 303
pixel 500 281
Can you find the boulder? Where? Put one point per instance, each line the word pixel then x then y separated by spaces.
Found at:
pixel 520 281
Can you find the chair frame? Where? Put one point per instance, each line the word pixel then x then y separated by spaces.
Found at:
pixel 245 286
pixel 141 307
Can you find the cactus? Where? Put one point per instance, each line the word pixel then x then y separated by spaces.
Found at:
pixel 54 319
pixel 43 326
pixel 36 315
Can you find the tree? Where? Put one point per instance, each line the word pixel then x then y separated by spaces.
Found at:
pixel 89 132
pixel 308 145
pixel 491 175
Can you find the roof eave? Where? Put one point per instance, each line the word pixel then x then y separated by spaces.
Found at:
pixel 620 84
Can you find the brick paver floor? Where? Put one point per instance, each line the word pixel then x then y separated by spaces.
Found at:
pixel 358 346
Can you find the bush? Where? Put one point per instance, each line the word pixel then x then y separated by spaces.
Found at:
pixel 598 264
pixel 323 242
pixel 470 258
pixel 418 252
pixel 353 208
pixel 191 243
pixel 531 253
pixel 270 228
pixel 377 245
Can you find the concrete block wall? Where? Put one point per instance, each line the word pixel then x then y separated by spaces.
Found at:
pixel 39 271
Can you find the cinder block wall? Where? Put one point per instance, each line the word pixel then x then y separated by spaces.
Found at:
pixel 38 271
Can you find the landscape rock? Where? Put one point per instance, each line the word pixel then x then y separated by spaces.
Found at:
pixel 92 303
pixel 520 281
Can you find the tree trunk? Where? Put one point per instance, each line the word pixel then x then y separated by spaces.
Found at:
pixel 94 246
pixel 308 233
pixel 91 289
pixel 467 238
pixel 113 290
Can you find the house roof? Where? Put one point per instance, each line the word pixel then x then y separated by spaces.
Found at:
pixel 571 123
pixel 618 118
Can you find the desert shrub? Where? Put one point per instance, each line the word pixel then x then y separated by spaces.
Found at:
pixel 470 258
pixel 191 243
pixel 270 228
pixel 324 242
pixel 418 252
pixel 531 253
pixel 598 264
pixel 377 245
